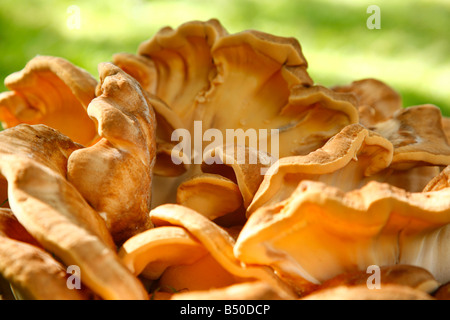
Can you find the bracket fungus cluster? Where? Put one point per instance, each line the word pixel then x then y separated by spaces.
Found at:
pixel 334 182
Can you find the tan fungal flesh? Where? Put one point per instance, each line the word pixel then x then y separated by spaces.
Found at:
pixel 115 174
pixel 50 91
pixel 54 212
pixel 217 241
pixel 209 165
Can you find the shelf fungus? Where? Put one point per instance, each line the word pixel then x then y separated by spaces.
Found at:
pixel 188 251
pixel 255 290
pixel 209 165
pixel 115 174
pixel 274 102
pixel 50 91
pixel 377 102
pixel 395 282
pixel 32 272
pixel 327 212
pixel 199 63
pixel 212 195
pixel 320 231
pixel 401 151
pixel 229 178
pixel 417 135
pixel 347 161
pixel 421 149
pixel 361 292
pixel 33 166
pixel 376 277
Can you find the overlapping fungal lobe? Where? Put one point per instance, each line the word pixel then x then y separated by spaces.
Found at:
pixel 115 174
pixel 187 250
pixel 167 122
pixel 30 150
pixel 417 135
pixel 255 290
pixel 406 151
pixel 184 64
pixel 379 276
pixel 50 91
pixel 11 228
pixel 140 68
pixel 210 194
pixel 312 116
pixel 337 231
pixel 33 163
pixel 144 70
pixel 32 272
pixel 199 64
pixel 175 259
pixel 377 101
pixel 347 161
pixel 361 292
pixel 273 105
pixel 421 149
pixel 394 282
pixel 343 218
pixel 245 166
pixel 271 93
pixel 259 70
pixel 174 66
pixel 154 250
pixel 230 176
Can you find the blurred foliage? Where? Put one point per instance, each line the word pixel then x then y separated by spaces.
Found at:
pixel 411 51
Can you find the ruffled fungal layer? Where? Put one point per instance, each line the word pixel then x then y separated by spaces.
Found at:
pixel 31 271
pixel 377 102
pixel 115 174
pixel 50 91
pixel 320 231
pixel 199 64
pixel 417 135
pixel 219 243
pixel 346 161
pixel 33 162
pixel 273 105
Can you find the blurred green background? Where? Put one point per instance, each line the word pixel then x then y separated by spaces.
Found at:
pixel 411 51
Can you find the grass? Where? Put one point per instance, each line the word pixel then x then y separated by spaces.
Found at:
pixel 410 52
